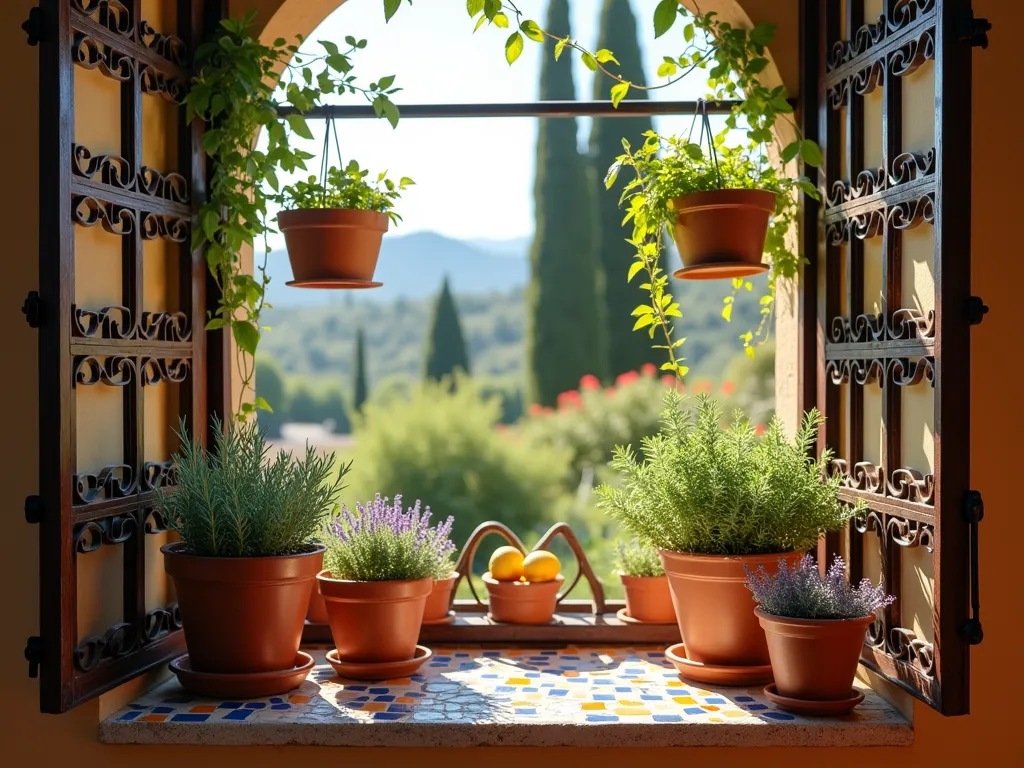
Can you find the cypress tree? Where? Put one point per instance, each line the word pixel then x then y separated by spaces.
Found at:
pixel 627 350
pixel 359 395
pixel 446 348
pixel 565 337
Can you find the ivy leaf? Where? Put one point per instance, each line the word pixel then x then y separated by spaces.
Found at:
pixel 513 47
pixel 693 151
pixel 604 56
pixel 216 324
pixel 590 62
pixel 811 153
pixel 560 46
pixel 643 321
pixel 473 7
pixel 262 405
pixel 637 266
pixel 391 112
pixel 667 69
pixel 298 124
pixel 612 174
pixel 762 34
pixel 643 309
pixel 688 33
pixel 500 20
pixel 619 92
pixel 391 8
pixel 211 220
pixel 246 336
pixel 385 82
pixel 532 30
pixel 756 66
pixel 790 151
pixel 665 16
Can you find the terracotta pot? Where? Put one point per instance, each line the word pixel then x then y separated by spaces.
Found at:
pixel 374 621
pixel 242 614
pixel 648 599
pixel 721 233
pixel 439 601
pixel 715 610
pixel 333 243
pixel 814 659
pixel 316 612
pixel 522 602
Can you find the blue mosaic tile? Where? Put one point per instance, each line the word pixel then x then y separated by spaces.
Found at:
pixel 129 716
pixel 602 718
pixel 667 718
pixel 778 716
pixel 239 714
pixel 255 704
pixel 387 716
pixel 161 710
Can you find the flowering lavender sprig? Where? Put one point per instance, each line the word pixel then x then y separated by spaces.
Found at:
pixel 383 542
pixel 802 593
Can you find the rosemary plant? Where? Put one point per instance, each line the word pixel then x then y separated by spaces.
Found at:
pixel 235 501
pixel 704 489
pixel 638 559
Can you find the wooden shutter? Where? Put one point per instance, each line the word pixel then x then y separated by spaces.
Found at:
pixel 120 311
pixel 888 358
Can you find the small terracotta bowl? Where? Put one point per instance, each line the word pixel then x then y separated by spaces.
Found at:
pixel 523 602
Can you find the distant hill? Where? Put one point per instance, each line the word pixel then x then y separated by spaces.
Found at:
pixel 411 267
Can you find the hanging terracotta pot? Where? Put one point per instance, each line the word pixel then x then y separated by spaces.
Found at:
pixel 330 246
pixel 648 599
pixel 242 614
pixel 721 233
pixel 522 602
pixel 714 608
pixel 814 660
pixel 374 621
pixel 439 601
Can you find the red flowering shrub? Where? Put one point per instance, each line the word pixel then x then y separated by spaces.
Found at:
pixel 590 381
pixel 648 369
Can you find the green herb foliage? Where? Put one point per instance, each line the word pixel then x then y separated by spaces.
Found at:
pixel 238 91
pixel 234 501
pixel 346 188
pixel 639 560
pixel 707 489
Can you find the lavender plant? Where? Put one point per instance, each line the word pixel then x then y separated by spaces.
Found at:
pixel 802 593
pixel 638 559
pixel 381 542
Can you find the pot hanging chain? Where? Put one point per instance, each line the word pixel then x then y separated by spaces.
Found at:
pixel 329 126
pixel 705 128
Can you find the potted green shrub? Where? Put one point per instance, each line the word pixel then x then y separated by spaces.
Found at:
pixel 815 628
pixel 245 566
pixel 379 570
pixel 439 601
pixel 648 599
pixel 716 202
pixel 716 500
pixel 333 227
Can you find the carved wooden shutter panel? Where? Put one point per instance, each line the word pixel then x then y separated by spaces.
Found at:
pixel 888 336
pixel 143 346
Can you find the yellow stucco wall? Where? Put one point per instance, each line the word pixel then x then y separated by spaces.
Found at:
pixel 984 738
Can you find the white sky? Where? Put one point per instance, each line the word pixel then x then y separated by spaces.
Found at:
pixel 474 176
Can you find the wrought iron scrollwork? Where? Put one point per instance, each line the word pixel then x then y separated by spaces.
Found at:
pixel 91 535
pixel 115 171
pixel 904 645
pixel 117 642
pixel 114 371
pixel 112 482
pixel 157 474
pixel 110 14
pixel 157 82
pixel 161 622
pixel 167 46
pixel 164 326
pixel 159 225
pixel 153 521
pixel 912 485
pixel 157 370
pixel 113 322
pixel 90 53
pixel 115 219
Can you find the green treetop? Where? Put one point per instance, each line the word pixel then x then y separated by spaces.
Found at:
pixel 565 323
pixel 446 347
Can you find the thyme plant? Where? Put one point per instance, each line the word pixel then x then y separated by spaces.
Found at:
pixel 235 501
pixel 802 593
pixel 346 188
pixel 638 559
pixel 239 90
pixel 706 489
pixel 381 542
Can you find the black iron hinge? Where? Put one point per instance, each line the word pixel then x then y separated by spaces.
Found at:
pixel 34 655
pixel 33 510
pixel 976 310
pixel 33 26
pixel 32 309
pixel 974 511
pixel 973 30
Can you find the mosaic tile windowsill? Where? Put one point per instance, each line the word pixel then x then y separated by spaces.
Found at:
pixel 472 697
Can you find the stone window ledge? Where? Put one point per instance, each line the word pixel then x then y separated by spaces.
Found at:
pixel 465 697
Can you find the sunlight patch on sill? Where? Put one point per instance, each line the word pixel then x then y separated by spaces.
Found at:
pixel 582 696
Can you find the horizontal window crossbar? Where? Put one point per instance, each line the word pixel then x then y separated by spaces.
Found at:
pixel 631 108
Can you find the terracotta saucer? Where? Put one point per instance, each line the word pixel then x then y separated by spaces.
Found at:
pixel 819 708
pixel 379 670
pixel 719 271
pixel 712 674
pixel 334 283
pixel 625 618
pixel 448 618
pixel 241 686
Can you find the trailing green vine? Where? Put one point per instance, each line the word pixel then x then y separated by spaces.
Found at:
pixel 734 58
pixel 240 89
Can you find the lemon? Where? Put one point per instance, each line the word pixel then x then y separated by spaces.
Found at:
pixel 541 566
pixel 506 564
